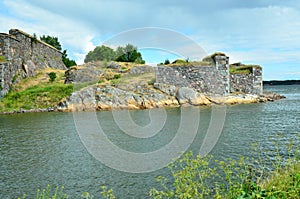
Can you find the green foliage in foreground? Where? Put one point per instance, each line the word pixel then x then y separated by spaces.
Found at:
pixel 48 193
pixel 284 183
pixel 58 193
pixel 38 96
pixel 196 177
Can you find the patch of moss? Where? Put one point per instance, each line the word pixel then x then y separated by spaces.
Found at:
pixel 14 78
pixel 211 58
pixel 193 63
pixel 239 68
pixel 179 61
pixel 2 59
pixel 152 81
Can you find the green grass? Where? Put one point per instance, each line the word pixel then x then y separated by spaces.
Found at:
pixel 38 96
pixel 192 63
pixel 49 193
pixel 284 183
pixel 2 59
pixel 240 71
pixel 58 193
pixel 36 92
pixel 242 68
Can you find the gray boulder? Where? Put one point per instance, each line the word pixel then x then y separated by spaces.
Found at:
pixel 113 65
pixel 142 69
pixel 166 88
pixel 186 95
pixel 82 74
pixel 83 100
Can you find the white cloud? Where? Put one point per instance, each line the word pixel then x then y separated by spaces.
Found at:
pixel 262 32
pixel 32 19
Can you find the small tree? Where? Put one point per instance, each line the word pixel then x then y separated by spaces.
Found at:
pixel 53 41
pixel 52 76
pixel 68 62
pixel 100 53
pixel 167 62
pixel 129 53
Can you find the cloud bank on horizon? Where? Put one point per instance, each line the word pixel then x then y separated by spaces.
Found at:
pixel 265 32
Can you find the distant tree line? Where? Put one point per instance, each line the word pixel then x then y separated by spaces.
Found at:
pixel 129 53
pixel 53 41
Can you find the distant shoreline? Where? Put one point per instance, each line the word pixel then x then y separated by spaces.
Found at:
pixel 281 82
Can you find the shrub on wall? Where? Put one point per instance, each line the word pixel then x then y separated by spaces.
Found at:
pixel 179 61
pixel 167 62
pixel 2 59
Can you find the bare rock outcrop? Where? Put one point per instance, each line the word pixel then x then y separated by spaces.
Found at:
pixel 106 97
pixel 186 95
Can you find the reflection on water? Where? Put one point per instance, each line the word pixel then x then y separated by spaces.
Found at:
pixel 43 148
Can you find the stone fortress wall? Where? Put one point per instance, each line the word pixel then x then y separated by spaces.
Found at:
pixel 212 80
pixel 247 83
pixel 22 55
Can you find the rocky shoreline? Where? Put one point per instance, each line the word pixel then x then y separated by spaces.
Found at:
pixel 111 98
pixel 107 98
pixel 132 88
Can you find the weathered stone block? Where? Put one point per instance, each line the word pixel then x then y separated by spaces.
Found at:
pixel 27 54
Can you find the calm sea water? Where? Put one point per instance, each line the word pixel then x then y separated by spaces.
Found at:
pixel 38 149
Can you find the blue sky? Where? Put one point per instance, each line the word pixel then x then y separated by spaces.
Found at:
pixel 265 32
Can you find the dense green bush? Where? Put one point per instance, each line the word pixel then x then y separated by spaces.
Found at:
pixel 52 76
pixel 53 41
pixel 167 61
pixel 101 53
pixel 117 76
pixel 68 62
pixel 129 53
